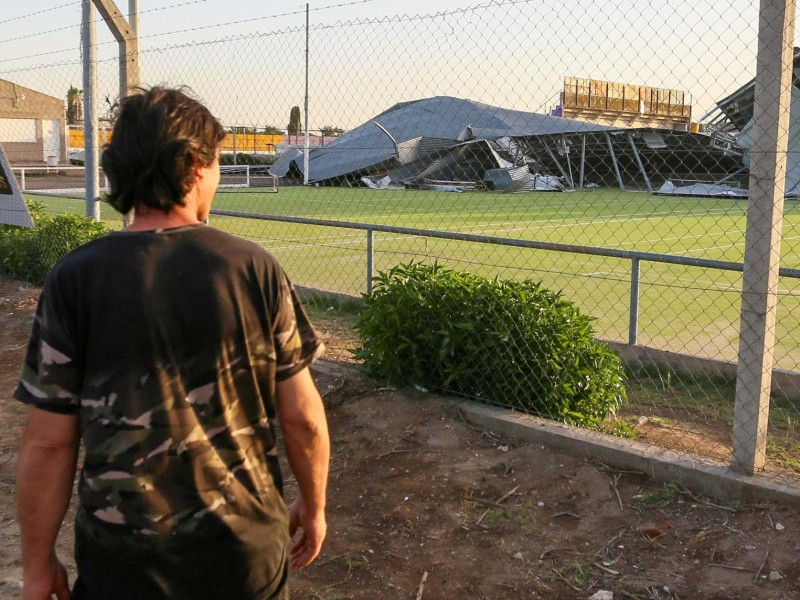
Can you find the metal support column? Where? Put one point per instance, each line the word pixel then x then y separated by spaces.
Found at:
pixel 555 160
pixel 639 162
pixel 569 163
pixel 583 160
pixel 763 236
pixel 614 160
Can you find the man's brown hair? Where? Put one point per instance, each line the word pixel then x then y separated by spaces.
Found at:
pixel 160 135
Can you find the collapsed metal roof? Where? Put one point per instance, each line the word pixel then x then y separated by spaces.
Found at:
pixel 735 111
pixel 731 120
pixel 745 141
pixel 446 140
pixel 413 130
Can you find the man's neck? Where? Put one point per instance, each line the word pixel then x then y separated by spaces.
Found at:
pixel 149 219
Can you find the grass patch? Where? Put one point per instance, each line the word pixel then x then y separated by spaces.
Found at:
pixel 661 496
pixel 784 451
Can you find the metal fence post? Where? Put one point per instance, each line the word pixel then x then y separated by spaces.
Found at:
pixel 763 236
pixel 91 152
pixel 633 322
pixel 370 259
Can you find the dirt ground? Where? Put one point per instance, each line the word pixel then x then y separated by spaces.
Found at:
pixel 423 506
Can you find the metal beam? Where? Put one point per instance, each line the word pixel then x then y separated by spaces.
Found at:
pixel 569 163
pixel 614 160
pixel 128 39
pixel 583 160
pixel 639 162
pixel 555 160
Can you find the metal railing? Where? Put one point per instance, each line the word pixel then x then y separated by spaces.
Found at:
pixel 48 170
pixel 634 256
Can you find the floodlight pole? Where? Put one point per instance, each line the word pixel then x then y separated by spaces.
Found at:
pixel 305 101
pixel 90 149
pixel 763 236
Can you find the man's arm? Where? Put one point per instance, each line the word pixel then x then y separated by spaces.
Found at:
pixel 45 472
pixel 305 435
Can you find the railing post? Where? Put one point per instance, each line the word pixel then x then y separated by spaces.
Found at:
pixel 22 180
pixel 248 176
pixel 370 260
pixel 633 323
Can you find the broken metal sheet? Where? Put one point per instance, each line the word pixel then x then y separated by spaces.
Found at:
pixel 421 147
pixel 653 139
pixel 384 183
pixel 702 190
pixel 545 183
pixel 514 179
pixel 284 161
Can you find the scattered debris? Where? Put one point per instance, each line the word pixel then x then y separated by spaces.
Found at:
pixel 422 585
pixel 761 568
pixel 518 556
pixel 775 576
pixel 602 595
pixel 500 500
pixel 613 485
pixel 606 569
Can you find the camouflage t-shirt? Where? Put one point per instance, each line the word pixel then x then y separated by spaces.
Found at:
pixel 168 345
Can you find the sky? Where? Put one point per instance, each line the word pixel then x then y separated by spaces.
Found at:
pixel 246 58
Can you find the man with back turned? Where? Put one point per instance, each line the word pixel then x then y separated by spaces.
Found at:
pixel 170 348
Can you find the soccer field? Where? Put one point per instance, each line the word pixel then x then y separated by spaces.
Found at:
pixel 690 310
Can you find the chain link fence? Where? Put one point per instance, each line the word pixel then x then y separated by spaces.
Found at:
pixel 601 148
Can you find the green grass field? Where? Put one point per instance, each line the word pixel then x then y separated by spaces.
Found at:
pixel 685 309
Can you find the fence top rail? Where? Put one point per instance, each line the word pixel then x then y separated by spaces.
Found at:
pixel 484 239
pixel 46 168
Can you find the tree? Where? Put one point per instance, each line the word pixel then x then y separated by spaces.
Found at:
pixel 272 130
pixel 74 106
pixel 295 125
pixel 331 131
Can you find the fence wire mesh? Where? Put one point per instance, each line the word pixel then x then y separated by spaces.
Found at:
pixel 610 135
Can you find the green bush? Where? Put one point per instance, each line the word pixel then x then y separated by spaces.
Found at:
pixel 506 342
pixel 29 253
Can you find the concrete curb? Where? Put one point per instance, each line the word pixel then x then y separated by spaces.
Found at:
pixel 699 475
pixel 694 472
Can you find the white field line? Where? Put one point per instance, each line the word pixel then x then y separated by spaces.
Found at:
pixel 577 221
pixel 548 223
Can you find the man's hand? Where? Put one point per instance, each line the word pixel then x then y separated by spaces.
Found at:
pixel 305 436
pixel 43 586
pixel 45 470
pixel 313 528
